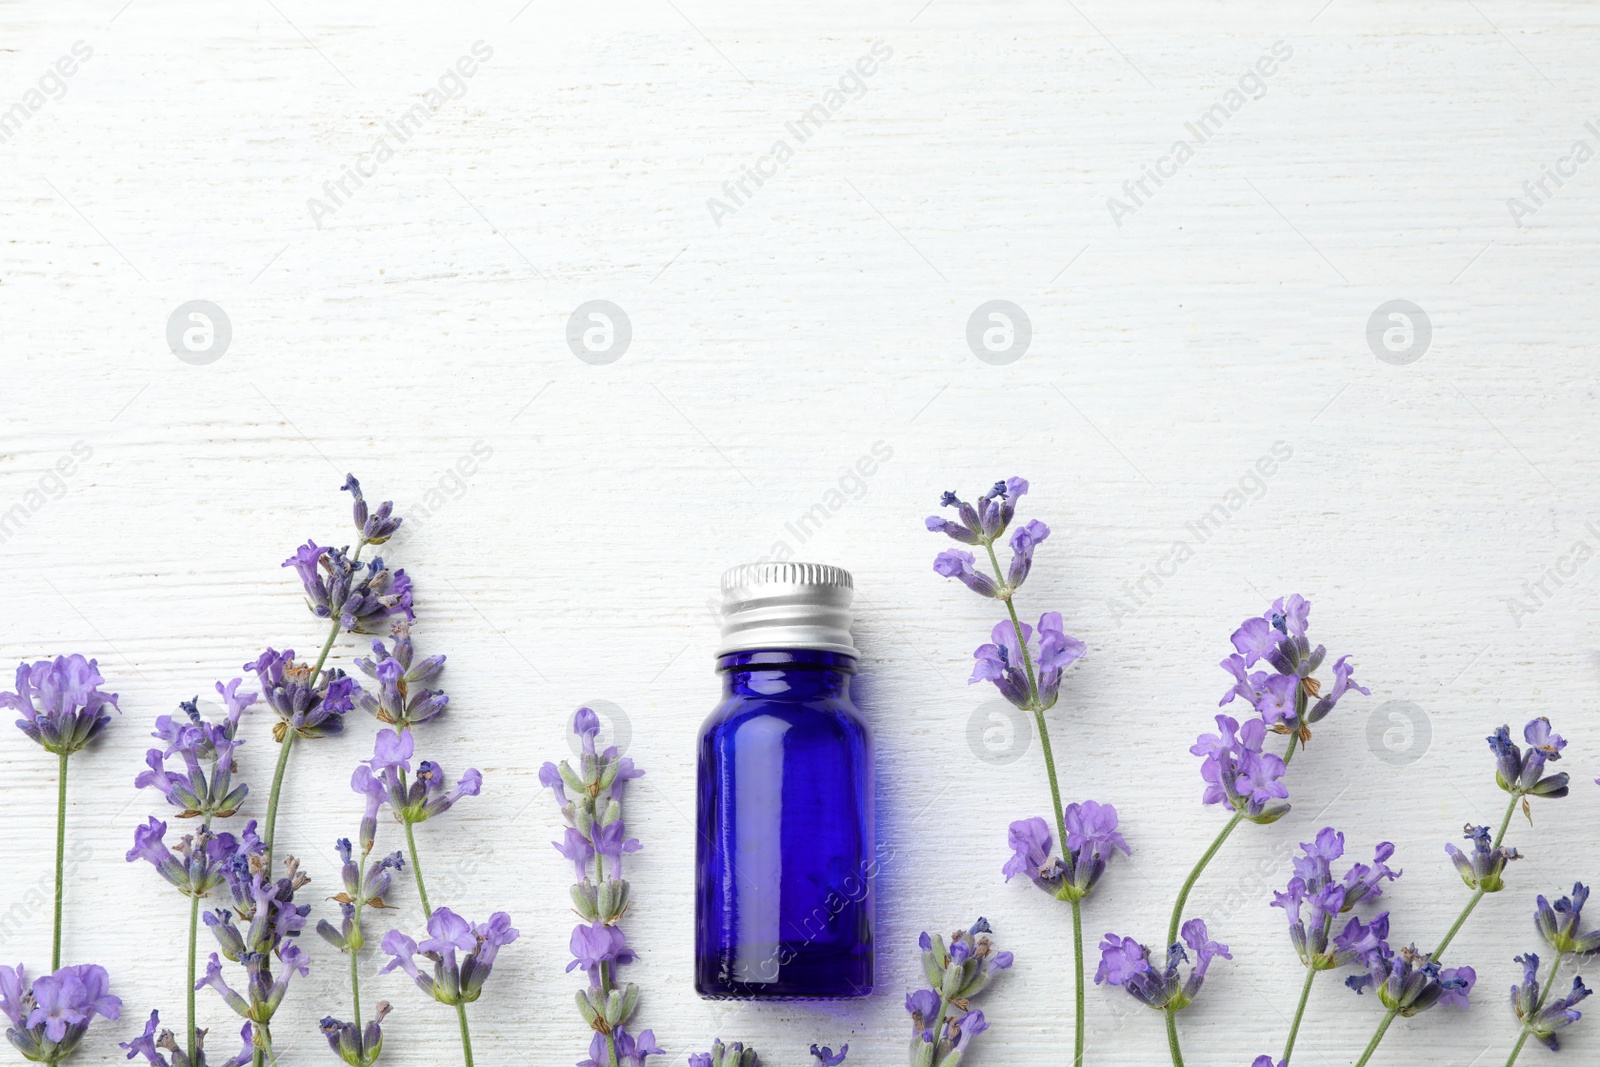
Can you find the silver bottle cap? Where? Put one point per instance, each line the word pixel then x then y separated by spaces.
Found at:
pixel 786 605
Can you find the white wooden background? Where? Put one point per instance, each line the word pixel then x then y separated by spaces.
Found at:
pixel 427 317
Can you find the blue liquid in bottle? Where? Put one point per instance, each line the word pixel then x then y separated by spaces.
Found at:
pixel 785 859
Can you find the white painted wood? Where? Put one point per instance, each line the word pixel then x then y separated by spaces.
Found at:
pixel 828 312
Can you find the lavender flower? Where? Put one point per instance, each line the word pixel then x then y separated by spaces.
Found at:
pixel 954 563
pixel 50 1016
pixel 62 706
pixel 984 522
pixel 424 796
pixel 151 1046
pixel 826 1057
pixel 1237 771
pixel 1279 639
pixel 205 787
pixel 360 596
pixel 202 860
pixel 1050 651
pixel 272 920
pixel 1543 1021
pixel 1558 923
pixel 309 709
pixel 1409 982
pixel 1522 774
pixel 454 981
pixel 734 1055
pixel 942 1024
pixel 1314 899
pixel 631 1050
pixel 1484 867
pixel 402 698
pixel 1092 839
pixel 357 1046
pixel 375 527
pixel 1267 1061
pixel 1126 963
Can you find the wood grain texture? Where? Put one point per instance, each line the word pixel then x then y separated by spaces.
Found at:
pixel 428 313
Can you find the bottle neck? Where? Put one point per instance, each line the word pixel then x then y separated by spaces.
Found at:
pixel 793 673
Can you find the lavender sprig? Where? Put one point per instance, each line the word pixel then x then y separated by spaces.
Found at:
pixel 364 887
pixel 1521 775
pixel 63 710
pixel 595 832
pixel 943 1023
pixel 1237 770
pixel 1125 962
pixel 152 1044
pixel 1026 665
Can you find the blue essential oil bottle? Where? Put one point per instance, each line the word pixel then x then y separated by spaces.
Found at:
pixel 785 861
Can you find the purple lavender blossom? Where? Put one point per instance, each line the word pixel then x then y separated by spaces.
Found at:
pixel 1024 539
pixel 1484 867
pixel 984 522
pixel 310 710
pixel 1278 639
pixel 1314 899
pixel 205 786
pixel 1522 774
pixel 1050 652
pixel 599 950
pixel 403 699
pixel 201 861
pixel 1409 982
pixel 1545 1021
pixel 360 596
pixel 631 1050
pixel 1559 923
pixel 423 796
pixel 357 1046
pixel 734 1055
pixel 1238 772
pixel 826 1057
pixel 454 980
pixel 375 527
pixel 1125 962
pixel 941 1023
pixel 151 1046
pixel 954 563
pixel 61 703
pixel 1092 839
pixel 272 921
pixel 50 1016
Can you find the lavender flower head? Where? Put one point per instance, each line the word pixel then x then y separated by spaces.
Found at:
pixel 1484 867
pixel 1314 899
pixel 403 698
pixel 362 597
pixel 309 708
pixel 981 523
pixel 151 1046
pixel 1238 772
pixel 61 703
pixel 826 1057
pixel 1408 981
pixel 942 1022
pixel 357 1046
pixel 1283 696
pixel 1049 651
pixel 1559 923
pixel 1125 962
pixel 1522 773
pixel 201 862
pixel 1092 839
pixel 272 922
pixel 734 1055
pixel 456 979
pixel 50 1015
pixel 1556 1015
pixel 205 786
pixel 412 799
pixel 375 527
pixel 631 1050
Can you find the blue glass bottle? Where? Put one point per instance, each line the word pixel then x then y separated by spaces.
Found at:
pixel 785 860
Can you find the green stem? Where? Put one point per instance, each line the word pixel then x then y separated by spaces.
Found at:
pixel 355 925
pixel 1078 1015
pixel 61 857
pixel 194 934
pixel 416 869
pixel 1377 1037
pixel 1505 823
pixel 466 1038
pixel 1194 876
pixel 1461 920
pixel 1299 1013
pixel 1172 1038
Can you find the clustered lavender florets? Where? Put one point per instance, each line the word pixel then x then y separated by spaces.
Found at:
pixel 1314 899
pixel 61 703
pixel 943 1023
pixel 50 1015
pixel 595 832
pixel 1092 839
pixel 1125 962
